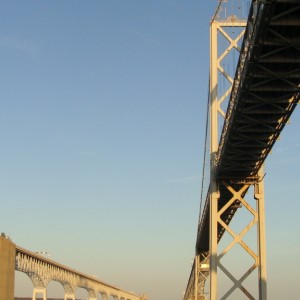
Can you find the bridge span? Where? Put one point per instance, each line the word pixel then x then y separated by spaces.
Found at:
pixel 42 270
pixel 263 94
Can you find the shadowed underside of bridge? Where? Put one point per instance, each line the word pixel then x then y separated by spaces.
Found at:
pixel 264 94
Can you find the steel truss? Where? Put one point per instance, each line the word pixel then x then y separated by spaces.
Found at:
pixel 258 255
pixel 263 95
pixel 208 264
pixel 198 277
pixel 222 210
pixel 202 274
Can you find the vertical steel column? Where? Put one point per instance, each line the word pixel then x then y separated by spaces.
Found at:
pixel 216 27
pixel 213 242
pixel 261 237
pixel 197 261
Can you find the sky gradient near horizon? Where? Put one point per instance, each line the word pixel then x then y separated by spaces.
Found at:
pixel 102 121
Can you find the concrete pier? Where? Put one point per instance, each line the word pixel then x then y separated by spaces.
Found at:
pixel 7 268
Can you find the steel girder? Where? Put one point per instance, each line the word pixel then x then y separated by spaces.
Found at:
pixel 265 92
pixel 266 88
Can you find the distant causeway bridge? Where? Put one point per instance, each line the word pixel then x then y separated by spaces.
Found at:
pixel 42 270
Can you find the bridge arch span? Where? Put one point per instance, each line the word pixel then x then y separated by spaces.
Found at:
pixel 42 270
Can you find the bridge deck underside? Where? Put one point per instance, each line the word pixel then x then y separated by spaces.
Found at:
pixel 264 94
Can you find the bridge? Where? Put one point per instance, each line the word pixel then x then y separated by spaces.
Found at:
pixel 261 98
pixel 42 270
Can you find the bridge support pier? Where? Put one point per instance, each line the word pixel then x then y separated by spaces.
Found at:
pixel 38 291
pixel 261 234
pixel 7 268
pixel 213 242
pixel 256 253
pixel 221 210
pixel 104 296
pixel 69 296
pixel 201 275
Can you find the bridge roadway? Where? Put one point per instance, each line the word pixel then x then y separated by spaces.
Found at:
pixel 264 94
pixel 42 270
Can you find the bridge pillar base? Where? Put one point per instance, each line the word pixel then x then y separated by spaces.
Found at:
pixel 37 291
pixel 69 296
pixel 7 268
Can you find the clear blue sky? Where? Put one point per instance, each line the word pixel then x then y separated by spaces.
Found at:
pixel 101 124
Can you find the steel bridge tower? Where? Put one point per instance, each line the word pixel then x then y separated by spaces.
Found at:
pixel 259 94
pixel 226 35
